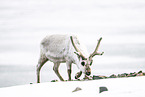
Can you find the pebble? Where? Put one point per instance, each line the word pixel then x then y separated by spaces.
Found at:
pixel 98 77
pixel 77 89
pixel 54 81
pixel 102 89
pixel 113 76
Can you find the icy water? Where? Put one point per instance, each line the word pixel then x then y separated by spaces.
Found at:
pixel 24 23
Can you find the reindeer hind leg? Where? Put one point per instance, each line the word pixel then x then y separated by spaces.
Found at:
pixel 55 68
pixel 43 59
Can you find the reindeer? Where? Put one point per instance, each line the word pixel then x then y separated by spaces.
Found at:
pixel 65 49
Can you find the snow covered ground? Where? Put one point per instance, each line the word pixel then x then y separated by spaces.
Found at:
pixel 118 87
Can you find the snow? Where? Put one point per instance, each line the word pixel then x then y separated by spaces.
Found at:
pixel 117 87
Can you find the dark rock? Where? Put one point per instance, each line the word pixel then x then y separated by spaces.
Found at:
pixel 125 74
pixel 122 75
pixel 102 89
pixel 119 75
pixel 98 77
pixel 140 71
pixel 54 80
pixel 132 74
pixel 113 76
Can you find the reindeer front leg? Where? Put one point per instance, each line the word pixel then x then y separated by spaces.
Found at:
pixel 69 74
pixel 69 70
pixel 55 68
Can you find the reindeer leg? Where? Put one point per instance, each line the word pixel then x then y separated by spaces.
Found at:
pixel 69 70
pixel 43 59
pixel 69 74
pixel 55 68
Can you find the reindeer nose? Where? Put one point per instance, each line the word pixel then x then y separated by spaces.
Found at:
pixel 88 73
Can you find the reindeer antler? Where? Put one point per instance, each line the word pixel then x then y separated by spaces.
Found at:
pixel 96 50
pixel 78 51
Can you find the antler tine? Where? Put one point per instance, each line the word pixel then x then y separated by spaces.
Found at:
pixel 96 49
pixel 76 47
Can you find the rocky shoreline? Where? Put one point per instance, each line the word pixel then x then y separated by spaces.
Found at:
pixel 134 74
pixel 97 77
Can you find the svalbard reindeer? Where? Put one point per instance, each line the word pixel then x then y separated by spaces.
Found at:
pixel 65 48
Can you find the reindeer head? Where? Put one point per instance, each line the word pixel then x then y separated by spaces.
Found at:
pixel 84 62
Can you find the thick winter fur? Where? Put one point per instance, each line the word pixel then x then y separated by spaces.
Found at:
pixel 59 49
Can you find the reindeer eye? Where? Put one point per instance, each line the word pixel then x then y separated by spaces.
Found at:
pixel 83 63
